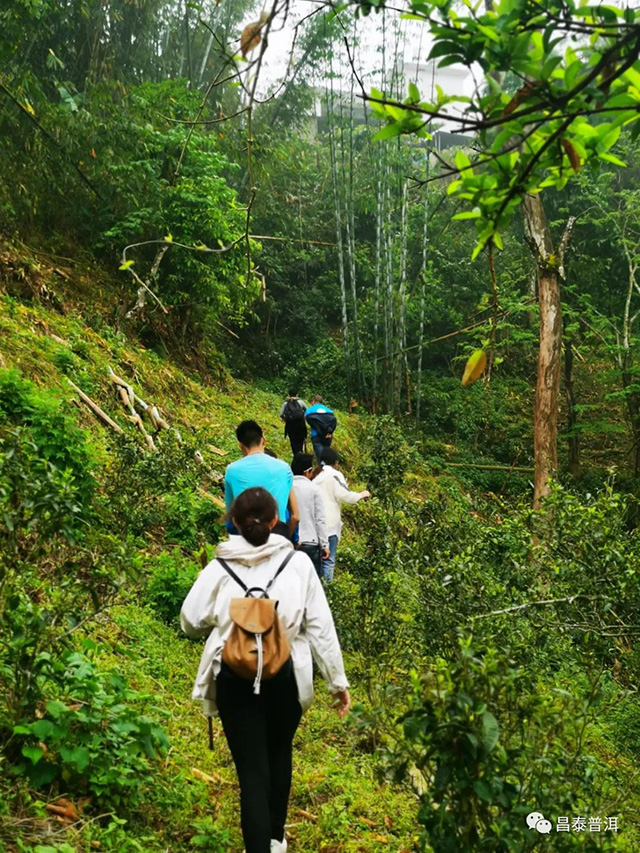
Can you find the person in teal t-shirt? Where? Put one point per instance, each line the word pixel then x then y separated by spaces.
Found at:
pixel 256 468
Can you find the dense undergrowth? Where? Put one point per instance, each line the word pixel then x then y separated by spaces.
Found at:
pixel 491 649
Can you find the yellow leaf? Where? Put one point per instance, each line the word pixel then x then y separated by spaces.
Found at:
pixel 474 367
pixel 251 38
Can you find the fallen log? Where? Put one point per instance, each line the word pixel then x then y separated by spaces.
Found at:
pixel 217 501
pixel 489 467
pixel 128 400
pixel 95 408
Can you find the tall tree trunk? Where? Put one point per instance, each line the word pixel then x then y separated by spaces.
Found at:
pixel 376 308
pixel 550 268
pixel 545 418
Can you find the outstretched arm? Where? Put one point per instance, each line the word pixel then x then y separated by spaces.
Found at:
pixel 343 493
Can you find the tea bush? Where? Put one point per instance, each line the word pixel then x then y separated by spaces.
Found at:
pixel 89 737
pixel 59 441
pixel 56 572
pixel 482 752
pixel 171 577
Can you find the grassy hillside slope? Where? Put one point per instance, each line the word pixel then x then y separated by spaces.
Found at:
pixel 191 804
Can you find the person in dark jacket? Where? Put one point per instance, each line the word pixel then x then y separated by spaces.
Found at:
pixel 292 413
pixel 323 424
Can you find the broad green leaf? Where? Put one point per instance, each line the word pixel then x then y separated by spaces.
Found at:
pixel 462 161
pixel 389 131
pixel 55 708
pixel 611 158
pixel 483 790
pixel 490 730
pixel 42 729
pixel 33 753
pixel 467 214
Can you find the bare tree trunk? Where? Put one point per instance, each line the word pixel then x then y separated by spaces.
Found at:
pixel 550 267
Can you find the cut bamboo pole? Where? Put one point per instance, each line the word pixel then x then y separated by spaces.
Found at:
pixel 95 408
pixel 489 467
pixel 128 400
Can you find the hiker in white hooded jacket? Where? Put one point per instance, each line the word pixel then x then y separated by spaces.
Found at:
pixel 335 492
pixel 260 727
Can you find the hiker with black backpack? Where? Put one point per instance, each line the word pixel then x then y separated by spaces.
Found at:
pixel 323 424
pixel 265 613
pixel 295 427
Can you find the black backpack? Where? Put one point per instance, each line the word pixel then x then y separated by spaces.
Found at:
pixel 293 411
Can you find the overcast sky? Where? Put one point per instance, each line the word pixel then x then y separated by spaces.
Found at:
pixel 413 44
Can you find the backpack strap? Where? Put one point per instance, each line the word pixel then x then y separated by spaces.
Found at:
pixel 230 572
pixel 281 568
pixel 246 589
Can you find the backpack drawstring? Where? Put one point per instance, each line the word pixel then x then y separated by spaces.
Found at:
pixel 256 683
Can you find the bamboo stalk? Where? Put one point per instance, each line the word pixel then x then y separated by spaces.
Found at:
pixel 351 237
pixel 95 408
pixel 489 467
pixel 338 225
pixel 128 399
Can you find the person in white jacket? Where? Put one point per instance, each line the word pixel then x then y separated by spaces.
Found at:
pixel 260 727
pixel 335 492
pixel 312 530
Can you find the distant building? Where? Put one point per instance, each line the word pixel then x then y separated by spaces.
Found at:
pixel 453 80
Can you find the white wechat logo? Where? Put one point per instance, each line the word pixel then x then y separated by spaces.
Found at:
pixel 537 821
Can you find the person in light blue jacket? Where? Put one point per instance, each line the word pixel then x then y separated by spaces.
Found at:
pixel 323 424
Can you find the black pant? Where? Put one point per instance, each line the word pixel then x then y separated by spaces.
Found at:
pixel 315 552
pixel 297 433
pixel 259 731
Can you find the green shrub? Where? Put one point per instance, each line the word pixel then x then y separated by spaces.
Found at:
pixel 59 441
pixel 210 838
pixel 90 738
pixel 481 752
pixel 190 517
pixel 171 577
pixel 390 460
pixel 55 571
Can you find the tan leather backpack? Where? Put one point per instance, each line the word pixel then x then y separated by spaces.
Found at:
pixel 257 646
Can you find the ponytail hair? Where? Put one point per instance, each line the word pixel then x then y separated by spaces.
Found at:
pixel 252 512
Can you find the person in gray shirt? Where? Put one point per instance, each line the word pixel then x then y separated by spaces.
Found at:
pixel 312 532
